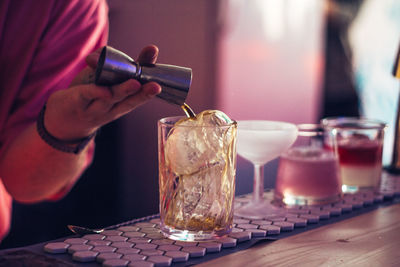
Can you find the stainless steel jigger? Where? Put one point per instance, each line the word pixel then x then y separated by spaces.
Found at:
pixel 115 67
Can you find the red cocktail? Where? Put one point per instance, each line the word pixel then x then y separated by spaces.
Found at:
pixel 359 144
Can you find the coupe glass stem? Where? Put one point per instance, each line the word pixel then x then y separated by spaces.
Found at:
pixel 258 186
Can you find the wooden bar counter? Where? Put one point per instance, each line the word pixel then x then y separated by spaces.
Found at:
pixel 371 239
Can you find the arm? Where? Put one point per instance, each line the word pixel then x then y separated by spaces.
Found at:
pixel 31 170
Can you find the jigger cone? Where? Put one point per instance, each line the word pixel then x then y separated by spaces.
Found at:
pixel 115 67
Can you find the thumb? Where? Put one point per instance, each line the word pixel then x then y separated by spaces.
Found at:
pixel 86 76
pixel 93 58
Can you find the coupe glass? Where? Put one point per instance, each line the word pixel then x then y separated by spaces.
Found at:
pixel 260 141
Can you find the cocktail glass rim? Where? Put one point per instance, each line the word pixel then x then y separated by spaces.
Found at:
pixel 355 123
pixel 172 120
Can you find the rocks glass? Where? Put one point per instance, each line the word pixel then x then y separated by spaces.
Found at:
pixel 197 168
pixel 359 143
pixel 308 172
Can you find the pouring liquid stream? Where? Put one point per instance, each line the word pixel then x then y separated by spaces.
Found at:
pixel 188 111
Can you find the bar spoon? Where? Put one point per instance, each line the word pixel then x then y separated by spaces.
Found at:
pixel 79 230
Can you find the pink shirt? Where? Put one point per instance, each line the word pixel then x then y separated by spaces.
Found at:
pixel 43 45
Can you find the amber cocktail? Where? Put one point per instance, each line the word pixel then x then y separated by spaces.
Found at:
pixel 197 167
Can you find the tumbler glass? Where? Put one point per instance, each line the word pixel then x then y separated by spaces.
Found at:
pixel 197 169
pixel 308 172
pixel 359 144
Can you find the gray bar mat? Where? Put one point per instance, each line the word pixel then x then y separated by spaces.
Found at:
pixel 139 242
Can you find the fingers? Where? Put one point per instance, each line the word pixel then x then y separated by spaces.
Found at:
pixel 109 103
pixel 103 98
pixel 88 94
pixel 125 89
pixel 148 55
pixel 147 92
pixel 78 111
pixel 117 93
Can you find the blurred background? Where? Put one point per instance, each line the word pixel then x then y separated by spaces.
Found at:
pixel 288 60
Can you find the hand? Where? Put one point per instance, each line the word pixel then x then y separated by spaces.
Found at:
pixel 80 110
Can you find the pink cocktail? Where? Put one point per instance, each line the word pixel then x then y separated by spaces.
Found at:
pixel 308 175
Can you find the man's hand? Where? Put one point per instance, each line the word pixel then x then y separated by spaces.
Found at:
pixel 80 110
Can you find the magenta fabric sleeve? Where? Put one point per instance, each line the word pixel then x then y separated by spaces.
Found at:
pixel 43 45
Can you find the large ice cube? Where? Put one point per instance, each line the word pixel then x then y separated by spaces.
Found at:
pixel 200 200
pixel 197 143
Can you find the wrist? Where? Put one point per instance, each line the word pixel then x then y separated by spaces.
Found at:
pixel 69 146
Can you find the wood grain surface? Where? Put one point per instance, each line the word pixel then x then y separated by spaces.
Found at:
pixel 371 239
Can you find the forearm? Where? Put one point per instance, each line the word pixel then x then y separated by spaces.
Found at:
pixel 32 170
